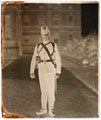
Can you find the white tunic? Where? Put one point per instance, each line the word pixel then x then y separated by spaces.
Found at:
pixel 44 56
pixel 47 73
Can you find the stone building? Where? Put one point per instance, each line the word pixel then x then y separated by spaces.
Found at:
pixel 63 20
pixel 22 26
pixel 12 32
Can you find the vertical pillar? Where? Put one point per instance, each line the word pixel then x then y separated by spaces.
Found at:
pixel 19 31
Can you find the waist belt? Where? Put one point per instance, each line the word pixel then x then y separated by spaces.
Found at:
pixel 46 60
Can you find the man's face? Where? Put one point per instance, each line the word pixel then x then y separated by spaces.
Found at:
pixel 45 36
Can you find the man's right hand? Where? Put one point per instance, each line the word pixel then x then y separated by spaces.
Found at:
pixel 32 75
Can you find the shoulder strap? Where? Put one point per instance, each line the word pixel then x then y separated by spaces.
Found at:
pixel 53 44
pixel 47 52
pixel 45 45
pixel 37 48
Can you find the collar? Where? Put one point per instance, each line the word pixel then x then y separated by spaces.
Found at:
pixel 46 42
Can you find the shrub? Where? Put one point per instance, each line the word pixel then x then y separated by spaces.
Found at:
pixel 84 49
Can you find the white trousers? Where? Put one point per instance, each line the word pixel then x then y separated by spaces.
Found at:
pixel 47 85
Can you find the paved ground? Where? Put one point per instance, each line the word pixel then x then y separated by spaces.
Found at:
pixel 88 75
pixel 21 95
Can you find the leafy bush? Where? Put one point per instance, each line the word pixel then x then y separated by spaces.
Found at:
pixel 84 49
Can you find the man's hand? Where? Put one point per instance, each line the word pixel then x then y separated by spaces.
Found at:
pixel 57 75
pixel 32 75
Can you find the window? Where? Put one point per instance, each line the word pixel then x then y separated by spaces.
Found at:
pixel 41 6
pixel 26 19
pixel 7 27
pixel 56 20
pixel 41 19
pixel 70 7
pixel 56 6
pixel 70 37
pixel 70 19
pixel 26 6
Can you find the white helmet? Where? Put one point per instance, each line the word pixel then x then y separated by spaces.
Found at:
pixel 45 29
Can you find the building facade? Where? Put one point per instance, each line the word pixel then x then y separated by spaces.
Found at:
pixel 12 33
pixel 64 21
pixel 22 22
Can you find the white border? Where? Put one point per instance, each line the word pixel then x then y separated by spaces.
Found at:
pixel 99 26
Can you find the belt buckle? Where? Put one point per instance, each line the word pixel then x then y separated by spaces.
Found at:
pixel 44 61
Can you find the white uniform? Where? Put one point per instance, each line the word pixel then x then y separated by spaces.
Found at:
pixel 46 72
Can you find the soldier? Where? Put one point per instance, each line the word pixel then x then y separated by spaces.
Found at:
pixel 46 56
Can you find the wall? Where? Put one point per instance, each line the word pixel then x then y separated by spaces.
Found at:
pixel 12 33
pixel 64 21
pixel 22 24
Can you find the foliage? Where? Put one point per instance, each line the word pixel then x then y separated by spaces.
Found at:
pixel 85 49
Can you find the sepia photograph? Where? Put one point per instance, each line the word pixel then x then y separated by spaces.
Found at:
pixel 49 55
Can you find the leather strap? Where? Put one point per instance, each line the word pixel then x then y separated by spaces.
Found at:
pixel 48 54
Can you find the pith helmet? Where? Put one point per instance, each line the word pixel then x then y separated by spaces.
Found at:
pixel 45 29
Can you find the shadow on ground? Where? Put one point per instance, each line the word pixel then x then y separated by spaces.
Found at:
pixel 21 95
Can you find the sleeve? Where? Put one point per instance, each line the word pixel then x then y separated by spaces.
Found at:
pixel 57 60
pixel 33 61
